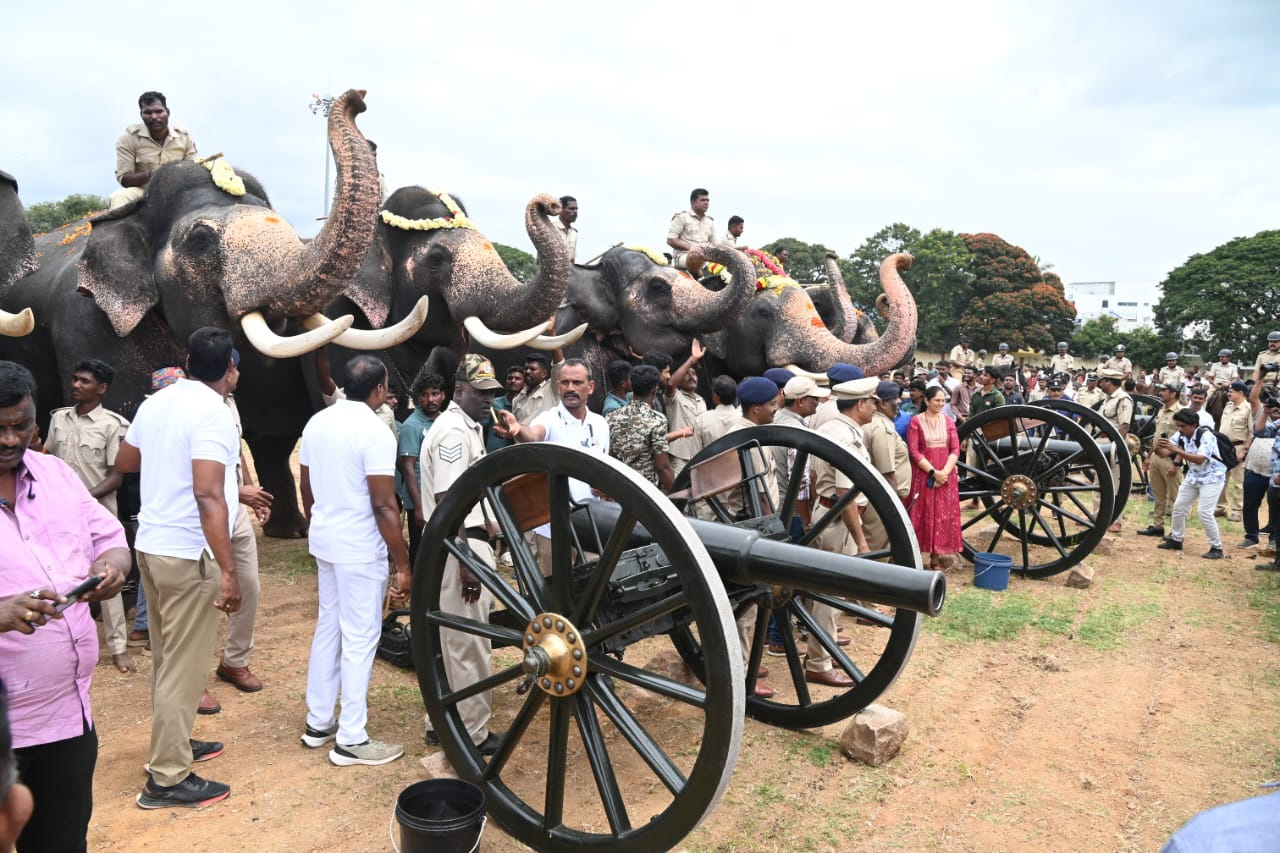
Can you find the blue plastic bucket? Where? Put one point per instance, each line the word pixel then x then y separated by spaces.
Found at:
pixel 991 571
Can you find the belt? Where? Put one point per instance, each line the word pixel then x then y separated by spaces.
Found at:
pixel 1238 443
pixel 826 503
pixel 478 533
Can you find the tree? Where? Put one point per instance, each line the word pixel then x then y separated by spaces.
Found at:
pixel 806 262
pixel 1096 339
pixel 1014 302
pixel 522 265
pixel 1146 348
pixel 939 278
pixel 1226 298
pixel 48 215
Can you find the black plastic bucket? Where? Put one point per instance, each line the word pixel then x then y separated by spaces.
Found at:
pixel 440 816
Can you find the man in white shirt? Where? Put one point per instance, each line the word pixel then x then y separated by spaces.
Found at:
pixel 348 466
pixel 734 233
pixel 188 437
pixel 564 224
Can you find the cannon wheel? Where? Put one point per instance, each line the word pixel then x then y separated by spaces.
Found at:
pixel 1034 495
pixel 1143 425
pixel 574 737
pixel 1099 426
pixel 881 639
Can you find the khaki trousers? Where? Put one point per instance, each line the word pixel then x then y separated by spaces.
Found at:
pixel 1231 499
pixel 184 628
pixel 123 196
pixel 240 628
pixel 1165 479
pixel 115 628
pixel 468 658
pixel 837 539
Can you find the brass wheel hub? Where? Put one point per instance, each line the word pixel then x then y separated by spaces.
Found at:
pixel 554 655
pixel 1019 491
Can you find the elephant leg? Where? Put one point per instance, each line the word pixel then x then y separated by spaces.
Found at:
pixel 271 456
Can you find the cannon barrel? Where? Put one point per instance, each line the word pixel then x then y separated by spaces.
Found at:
pixel 746 557
pixel 1054 445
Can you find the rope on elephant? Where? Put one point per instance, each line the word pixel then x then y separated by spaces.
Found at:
pixel 455 219
pixel 224 176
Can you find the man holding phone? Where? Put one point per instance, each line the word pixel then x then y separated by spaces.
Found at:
pixel 1163 471
pixel 53 535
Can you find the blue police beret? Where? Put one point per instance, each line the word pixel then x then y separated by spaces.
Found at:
pixel 755 390
pixel 840 372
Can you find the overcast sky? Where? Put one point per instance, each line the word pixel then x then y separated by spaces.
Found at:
pixel 1110 143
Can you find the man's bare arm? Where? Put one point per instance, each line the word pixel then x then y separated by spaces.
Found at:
pixel 207 482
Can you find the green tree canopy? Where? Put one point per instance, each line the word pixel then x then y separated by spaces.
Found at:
pixel 939 278
pixel 1146 347
pixel 806 262
pixel 48 215
pixel 1013 301
pixel 1096 338
pixel 522 265
pixel 1226 298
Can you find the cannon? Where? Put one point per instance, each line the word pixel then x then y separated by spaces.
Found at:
pixel 596 749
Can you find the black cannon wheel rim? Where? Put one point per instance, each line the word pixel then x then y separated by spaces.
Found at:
pixel 573 738
pixel 881 638
pixel 1143 427
pixel 1097 425
pixel 1060 518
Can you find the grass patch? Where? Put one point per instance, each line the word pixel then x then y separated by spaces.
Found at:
pixel 974 614
pixel 1057 616
pixel 1265 598
pixel 1109 626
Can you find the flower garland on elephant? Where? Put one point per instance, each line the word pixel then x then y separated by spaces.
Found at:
pixel 455 219
pixel 769 272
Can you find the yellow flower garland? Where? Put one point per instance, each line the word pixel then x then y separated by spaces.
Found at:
pixel 653 256
pixel 456 218
pixel 224 177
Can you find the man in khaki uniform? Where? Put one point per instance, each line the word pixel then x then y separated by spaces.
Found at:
pixel 690 227
pixel 1270 355
pixel 1090 395
pixel 962 355
pixel 716 422
pixel 1236 424
pixel 1063 362
pixel 1172 374
pixel 1223 372
pixel 87 437
pixel 1119 362
pixel 1163 472
pixel 887 452
pixel 564 225
pixel 683 405
pixel 539 393
pixel 145 147
pixel 1117 408
pixel 1002 360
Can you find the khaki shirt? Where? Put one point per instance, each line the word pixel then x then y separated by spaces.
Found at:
pixel 1123 365
pixel 1164 420
pixel 1063 364
pixel 682 410
pixel 762 463
pixel 1004 362
pixel 1090 397
pixel 729 240
pixel 137 151
pixel 888 451
pixel 1175 376
pixel 826 413
pixel 1237 422
pixel 845 432
pixel 452 445
pixel 570 236
pixel 1223 375
pixel 961 356
pixel 1266 357
pixel 1118 408
pixel 527 405
pixel 713 424
pixel 688 227
pixel 88 443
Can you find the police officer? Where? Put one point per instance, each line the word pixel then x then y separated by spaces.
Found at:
pixel 1090 395
pixel 1172 374
pixel 1224 371
pixel 1269 356
pixel 1063 362
pixel 1117 408
pixel 1236 424
pixel 1163 472
pixel 1002 360
pixel 1119 362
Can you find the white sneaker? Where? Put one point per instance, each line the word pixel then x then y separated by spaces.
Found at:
pixel 370 752
pixel 316 738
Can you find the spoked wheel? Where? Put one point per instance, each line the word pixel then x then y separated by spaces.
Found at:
pixel 576 765
pixel 1143 428
pixel 880 639
pixel 1043 483
pixel 1107 437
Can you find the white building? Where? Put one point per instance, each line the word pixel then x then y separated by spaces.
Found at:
pixel 1132 303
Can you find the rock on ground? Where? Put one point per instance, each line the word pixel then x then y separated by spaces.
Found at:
pixel 1081 577
pixel 875 735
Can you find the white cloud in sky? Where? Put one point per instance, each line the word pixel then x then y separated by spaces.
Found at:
pixel 1110 142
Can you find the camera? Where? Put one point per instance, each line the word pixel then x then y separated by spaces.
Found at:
pixel 1271 366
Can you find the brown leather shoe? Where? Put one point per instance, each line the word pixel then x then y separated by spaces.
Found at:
pixel 138 639
pixel 830 677
pixel 762 672
pixel 208 705
pixel 240 677
pixel 763 691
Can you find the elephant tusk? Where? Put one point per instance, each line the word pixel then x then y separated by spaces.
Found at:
pixel 552 342
pixel 270 344
pixel 376 339
pixel 820 378
pixel 17 325
pixel 485 336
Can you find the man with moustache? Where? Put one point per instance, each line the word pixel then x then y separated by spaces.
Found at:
pixel 145 147
pixel 683 405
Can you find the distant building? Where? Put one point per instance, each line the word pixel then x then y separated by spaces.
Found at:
pixel 1131 303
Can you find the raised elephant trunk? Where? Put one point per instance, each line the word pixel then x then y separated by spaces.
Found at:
pixel 815 348
pixel 699 309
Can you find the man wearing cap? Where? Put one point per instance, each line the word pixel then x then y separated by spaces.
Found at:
pixel 1172 374
pixel 1119 362
pixel 1224 371
pixel 638 434
pixel 961 354
pixel 1002 360
pixel 1236 423
pixel 1118 409
pixel 454 443
pixel 801 397
pixel 981 361
pixel 1163 472
pixel 779 376
pixel 1270 355
pixel 836 374
pixel 1090 395
pixel 1063 362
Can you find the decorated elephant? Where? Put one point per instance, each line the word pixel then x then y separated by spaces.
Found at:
pixel 203 247
pixel 17 253
pixel 426 247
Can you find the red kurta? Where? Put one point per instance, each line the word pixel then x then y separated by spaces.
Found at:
pixel 935 512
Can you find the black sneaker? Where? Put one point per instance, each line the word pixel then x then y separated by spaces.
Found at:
pixel 1212 554
pixel 203 750
pixel 192 793
pixel 1168 544
pixel 1151 530
pixel 1272 566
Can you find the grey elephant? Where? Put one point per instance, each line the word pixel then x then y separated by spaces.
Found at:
pixel 203 247
pixel 17 253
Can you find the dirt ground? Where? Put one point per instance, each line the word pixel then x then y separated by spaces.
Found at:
pixel 1042 718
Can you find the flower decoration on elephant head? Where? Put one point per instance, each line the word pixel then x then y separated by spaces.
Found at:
pixel 455 219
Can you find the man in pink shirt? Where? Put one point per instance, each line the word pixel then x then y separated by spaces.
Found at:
pixel 53 535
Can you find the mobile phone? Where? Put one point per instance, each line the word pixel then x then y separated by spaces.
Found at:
pixel 74 595
pixel 929 481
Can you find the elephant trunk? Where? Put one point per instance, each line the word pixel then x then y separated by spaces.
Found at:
pixel 813 347
pixel 845 320
pixel 494 296
pixel 698 309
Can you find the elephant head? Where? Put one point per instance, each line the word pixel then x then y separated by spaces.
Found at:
pixel 17 253
pixel 782 326
pixel 203 247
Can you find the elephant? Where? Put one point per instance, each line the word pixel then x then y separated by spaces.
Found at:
pixel 17 253
pixel 425 245
pixel 203 247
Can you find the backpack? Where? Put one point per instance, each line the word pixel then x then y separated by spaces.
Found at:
pixel 1226 450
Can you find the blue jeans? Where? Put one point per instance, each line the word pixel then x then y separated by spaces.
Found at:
pixel 140 610
pixel 1255 492
pixel 775 630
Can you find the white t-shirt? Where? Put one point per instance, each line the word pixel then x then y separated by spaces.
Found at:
pixel 591 434
pixel 185 422
pixel 342 446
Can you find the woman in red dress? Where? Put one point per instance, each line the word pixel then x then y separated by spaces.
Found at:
pixel 934 448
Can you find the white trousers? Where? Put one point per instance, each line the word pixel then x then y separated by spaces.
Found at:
pixel 1207 496
pixel 348 628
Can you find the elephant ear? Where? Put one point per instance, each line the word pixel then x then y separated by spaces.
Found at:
pixel 116 271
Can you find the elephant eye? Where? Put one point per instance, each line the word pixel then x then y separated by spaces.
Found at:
pixel 658 291
pixel 201 239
